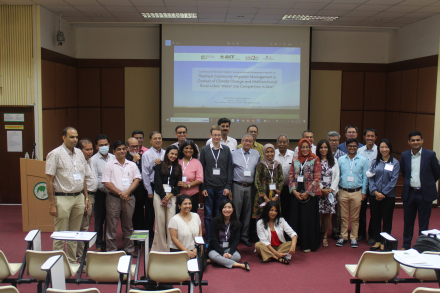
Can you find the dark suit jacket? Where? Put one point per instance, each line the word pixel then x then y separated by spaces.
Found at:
pixel 214 243
pixel 429 174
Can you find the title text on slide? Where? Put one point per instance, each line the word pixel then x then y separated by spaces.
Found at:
pixel 235 79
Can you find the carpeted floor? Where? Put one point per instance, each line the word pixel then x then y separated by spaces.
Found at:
pixel 320 271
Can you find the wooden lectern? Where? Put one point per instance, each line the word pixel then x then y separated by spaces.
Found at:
pixel 34 198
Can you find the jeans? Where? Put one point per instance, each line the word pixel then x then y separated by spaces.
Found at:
pixel 212 203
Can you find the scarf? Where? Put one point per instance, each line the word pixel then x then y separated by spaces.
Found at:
pixel 270 164
pixel 310 156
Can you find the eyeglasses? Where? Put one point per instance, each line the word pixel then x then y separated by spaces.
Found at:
pixel 333 140
pixel 352 146
pixel 253 131
pixel 305 148
pixel 134 146
pixel 247 140
pixel 181 132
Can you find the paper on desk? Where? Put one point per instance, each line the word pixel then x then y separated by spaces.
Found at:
pixel 64 234
pixel 432 231
pixel 412 257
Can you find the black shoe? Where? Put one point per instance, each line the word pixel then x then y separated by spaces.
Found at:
pixel 371 241
pixel 335 236
pixel 372 248
pixel 247 243
pixel 361 237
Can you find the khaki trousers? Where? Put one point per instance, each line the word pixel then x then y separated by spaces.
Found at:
pixel 118 208
pixel 266 254
pixel 70 210
pixel 162 236
pixel 85 225
pixel 350 206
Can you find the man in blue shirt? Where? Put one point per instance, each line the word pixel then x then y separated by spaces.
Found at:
pixel 352 191
pixel 351 131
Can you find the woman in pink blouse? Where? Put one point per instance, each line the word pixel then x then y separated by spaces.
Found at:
pixel 192 172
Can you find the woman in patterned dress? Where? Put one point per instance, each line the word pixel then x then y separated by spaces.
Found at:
pixel 329 186
pixel 304 176
pixel 269 180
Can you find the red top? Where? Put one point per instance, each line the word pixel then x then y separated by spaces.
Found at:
pixel 274 241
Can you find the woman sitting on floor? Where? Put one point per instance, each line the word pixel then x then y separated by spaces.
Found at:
pixel 184 227
pixel 270 231
pixel 225 235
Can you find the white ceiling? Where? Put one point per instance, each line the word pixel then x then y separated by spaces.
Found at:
pixel 358 13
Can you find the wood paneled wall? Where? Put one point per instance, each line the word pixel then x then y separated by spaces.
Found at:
pixel 89 99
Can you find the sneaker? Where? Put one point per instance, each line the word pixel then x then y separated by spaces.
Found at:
pixel 354 243
pixel 341 242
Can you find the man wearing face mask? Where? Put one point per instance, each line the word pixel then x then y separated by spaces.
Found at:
pixel 140 194
pixel 99 160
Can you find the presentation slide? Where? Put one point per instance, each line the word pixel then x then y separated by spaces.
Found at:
pixel 263 84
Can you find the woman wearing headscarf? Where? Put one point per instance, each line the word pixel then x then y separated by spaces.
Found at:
pixel 268 180
pixel 305 176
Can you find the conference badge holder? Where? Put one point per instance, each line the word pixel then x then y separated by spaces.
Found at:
pixel 216 171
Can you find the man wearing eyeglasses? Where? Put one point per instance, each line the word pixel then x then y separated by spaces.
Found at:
pixel 133 155
pixel 351 131
pixel 182 134
pixel 253 130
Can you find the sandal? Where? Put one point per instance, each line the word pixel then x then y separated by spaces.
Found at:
pixel 283 261
pixel 324 242
pixel 247 267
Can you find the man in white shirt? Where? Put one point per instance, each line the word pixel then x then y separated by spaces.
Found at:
pixel 225 124
pixel 99 160
pixel 285 157
pixel 369 152
pixel 309 135
pixel 154 156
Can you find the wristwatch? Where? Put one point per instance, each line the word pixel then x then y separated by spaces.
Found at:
pixel 189 185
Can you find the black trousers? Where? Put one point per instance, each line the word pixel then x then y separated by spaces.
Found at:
pixel 381 216
pixel 139 212
pixel 100 213
pixel 415 203
pixel 149 214
pixel 363 219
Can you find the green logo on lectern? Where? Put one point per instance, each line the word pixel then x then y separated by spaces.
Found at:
pixel 40 191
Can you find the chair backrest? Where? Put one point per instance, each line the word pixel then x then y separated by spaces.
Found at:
pixel 8 289
pixel 35 259
pixel 102 266
pixel 377 266
pixel 168 267
pixel 426 274
pixel 90 290
pixel 425 290
pixel 4 266
pixel 174 290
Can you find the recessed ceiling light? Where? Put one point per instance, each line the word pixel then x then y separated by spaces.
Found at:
pixel 169 15
pixel 310 17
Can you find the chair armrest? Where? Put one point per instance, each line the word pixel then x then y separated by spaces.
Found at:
pixel 50 262
pixel 199 240
pixel 193 266
pixel 124 264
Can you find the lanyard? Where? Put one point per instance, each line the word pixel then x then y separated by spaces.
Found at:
pixel 183 163
pixel 71 159
pixel 171 171
pixel 351 165
pixel 227 231
pixel 218 155
pixel 302 166
pixel 245 158
pixel 271 174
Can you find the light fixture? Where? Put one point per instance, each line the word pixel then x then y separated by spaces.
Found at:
pixel 60 35
pixel 310 17
pixel 169 15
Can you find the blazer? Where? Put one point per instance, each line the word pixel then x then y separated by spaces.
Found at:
pixel 214 243
pixel 160 179
pixel 429 174
pixel 265 236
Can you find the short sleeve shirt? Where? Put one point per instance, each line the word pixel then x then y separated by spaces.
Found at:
pixel 186 232
pixel 121 176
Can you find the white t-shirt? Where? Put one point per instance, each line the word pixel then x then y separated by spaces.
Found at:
pixel 186 232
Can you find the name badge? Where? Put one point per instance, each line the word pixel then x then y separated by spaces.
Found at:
pixel 76 176
pixel 350 178
pixel 183 178
pixel 169 204
pixel 167 189
pixel 215 171
pixel 225 244
pixel 326 179
pixel 389 167
pixel 125 182
pixel 272 186
pixel 247 173
pixel 300 178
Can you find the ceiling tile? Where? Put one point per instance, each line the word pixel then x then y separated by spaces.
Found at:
pixel 343 23
pixel 238 20
pixel 342 6
pixel 403 8
pixel 433 4
pixel 60 8
pixel 158 20
pixel 268 21
pixel 361 13
pixel 121 8
pixel 50 2
pixel 272 11
pixel 277 4
pixel 406 20
pixel 18 2
pixel 369 24
pixel 308 5
pixel 148 2
pixel 245 4
pixel 131 19
pixel 82 2
pixel 127 14
pixel 302 11
pixel 269 16
pixel 94 8
pixel 115 2
pixel 350 1
pixel 317 23
pixel 182 9
pixel 213 3
pixel 240 15
pixel 72 14
pixel 389 2
pixel 351 19
pixel 97 13
pixel 329 12
pixel 153 9
pixel 430 9
pixel 418 2
pixel 219 20
pixel 185 20
pixel 180 2
pixel 392 25
pixel 291 22
pixel 211 15
pixel 419 15
pixel 365 7
pixel 390 14
pixel 104 19
pixel 242 10
pixel 77 19
pixel 316 1
pixel 212 10
pixel 379 19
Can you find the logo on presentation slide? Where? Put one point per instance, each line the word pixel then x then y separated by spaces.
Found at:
pixel 204 57
pixel 253 57
pixel 40 191
pixel 228 57
pixel 268 58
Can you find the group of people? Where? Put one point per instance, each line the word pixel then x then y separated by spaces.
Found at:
pixel 293 196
